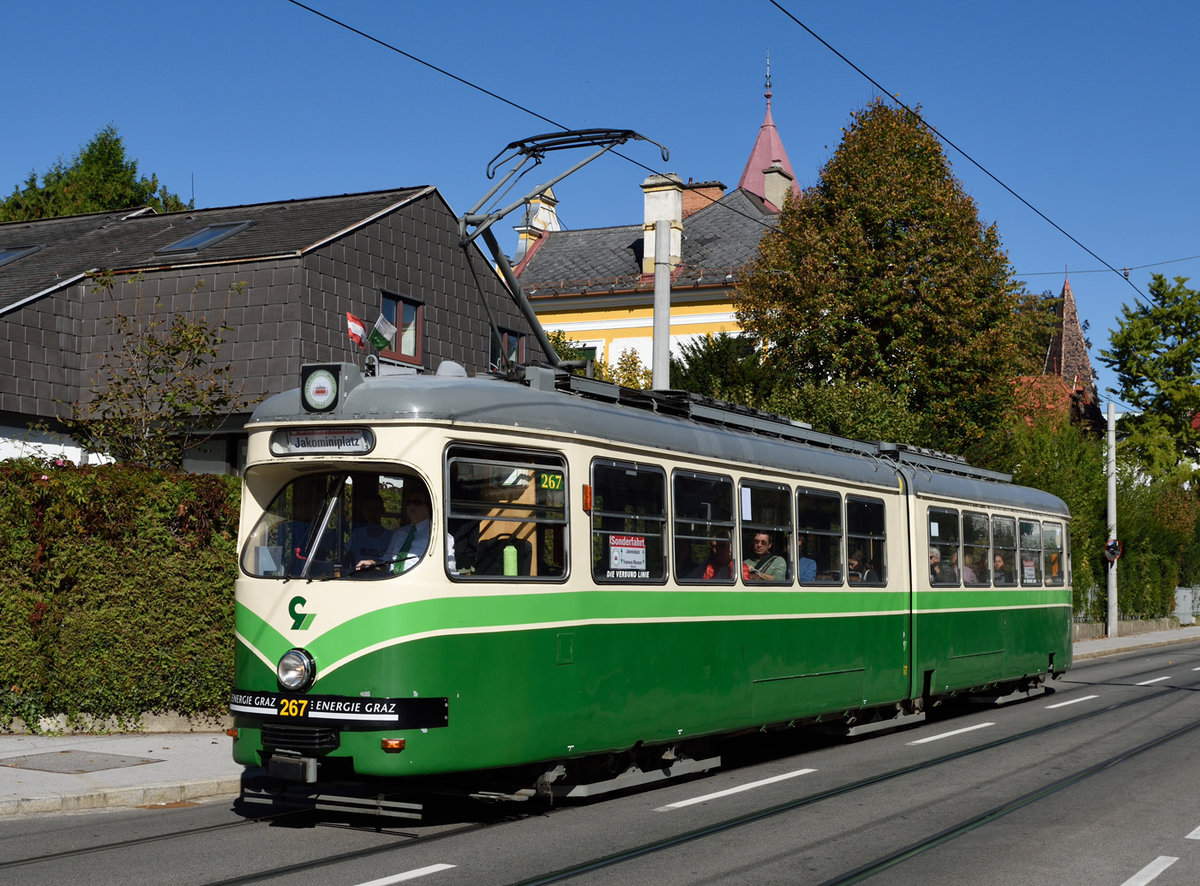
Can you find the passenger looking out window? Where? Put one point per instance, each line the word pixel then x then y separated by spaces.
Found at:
pixel 763 565
pixel 1004 551
pixel 719 565
pixel 860 570
pixel 806 567
pixel 1001 574
pixel 766 514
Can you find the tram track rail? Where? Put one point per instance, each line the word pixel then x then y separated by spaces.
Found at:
pixel 282 817
pixel 976 821
pixel 878 865
pixel 406 839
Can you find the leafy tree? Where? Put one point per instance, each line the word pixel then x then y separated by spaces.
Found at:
pixel 863 409
pixel 720 365
pixel 160 391
pixel 98 179
pixel 883 272
pixel 1155 353
pixel 1156 522
pixel 1044 449
pixel 628 371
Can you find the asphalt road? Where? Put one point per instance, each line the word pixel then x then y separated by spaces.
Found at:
pixel 1094 784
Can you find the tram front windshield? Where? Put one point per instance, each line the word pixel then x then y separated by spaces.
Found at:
pixel 357 525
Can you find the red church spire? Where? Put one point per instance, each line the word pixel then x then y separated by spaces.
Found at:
pixel 768 151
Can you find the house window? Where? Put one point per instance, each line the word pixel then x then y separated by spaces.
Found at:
pixel 12 253
pixel 408 318
pixel 509 348
pixel 207 236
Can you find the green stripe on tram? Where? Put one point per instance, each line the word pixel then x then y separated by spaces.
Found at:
pixel 495 613
pixel 509 612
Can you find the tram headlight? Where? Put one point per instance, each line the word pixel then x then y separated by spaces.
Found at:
pixel 296 670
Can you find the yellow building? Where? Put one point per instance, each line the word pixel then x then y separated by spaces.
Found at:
pixel 597 285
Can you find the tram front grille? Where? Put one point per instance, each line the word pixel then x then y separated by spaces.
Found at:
pixel 306 739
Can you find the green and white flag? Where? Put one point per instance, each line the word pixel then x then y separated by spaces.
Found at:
pixel 383 334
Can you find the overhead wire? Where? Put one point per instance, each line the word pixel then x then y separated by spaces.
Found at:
pixel 947 141
pixel 1153 264
pixel 937 133
pixel 472 85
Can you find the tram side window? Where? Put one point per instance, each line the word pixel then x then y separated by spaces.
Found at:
pixel 943 547
pixel 819 537
pixel 976 542
pixel 702 505
pixel 1031 553
pixel 1054 566
pixel 766 512
pixel 1004 551
pixel 866 541
pixel 506 514
pixel 629 516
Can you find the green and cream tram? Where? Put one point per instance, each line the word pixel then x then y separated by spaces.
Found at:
pixel 443 574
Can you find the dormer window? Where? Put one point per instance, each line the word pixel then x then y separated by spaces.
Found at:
pixel 207 237
pixel 12 253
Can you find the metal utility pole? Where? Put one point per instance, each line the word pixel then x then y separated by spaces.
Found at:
pixel 1113 547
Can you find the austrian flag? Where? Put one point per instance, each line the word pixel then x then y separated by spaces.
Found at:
pixel 356 328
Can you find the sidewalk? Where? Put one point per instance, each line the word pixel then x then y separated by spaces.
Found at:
pixel 1085 649
pixel 72 773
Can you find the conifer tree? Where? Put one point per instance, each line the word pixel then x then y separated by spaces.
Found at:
pixel 1155 353
pixel 99 179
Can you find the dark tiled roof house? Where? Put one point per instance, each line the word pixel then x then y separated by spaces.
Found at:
pixel 282 275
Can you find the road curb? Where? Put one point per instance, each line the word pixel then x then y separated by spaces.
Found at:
pixel 144 796
pixel 1104 653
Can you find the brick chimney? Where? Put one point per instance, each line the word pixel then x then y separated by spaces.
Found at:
pixel 663 202
pixel 700 195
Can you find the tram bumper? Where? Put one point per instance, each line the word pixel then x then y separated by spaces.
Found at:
pixel 292 767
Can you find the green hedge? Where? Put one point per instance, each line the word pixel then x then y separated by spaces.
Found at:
pixel 116 592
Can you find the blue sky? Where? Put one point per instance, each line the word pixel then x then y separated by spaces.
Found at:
pixel 1086 109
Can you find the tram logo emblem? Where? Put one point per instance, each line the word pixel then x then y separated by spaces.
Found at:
pixel 301 621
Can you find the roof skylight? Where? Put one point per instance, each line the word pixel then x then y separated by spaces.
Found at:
pixel 207 236
pixel 12 253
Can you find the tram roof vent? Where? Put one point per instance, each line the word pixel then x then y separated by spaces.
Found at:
pixel 540 378
pixel 685 404
pixel 932 460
